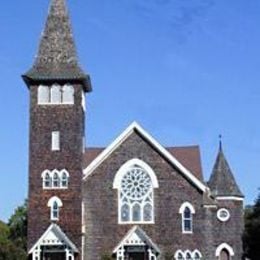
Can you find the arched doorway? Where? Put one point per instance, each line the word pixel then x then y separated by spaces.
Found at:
pixel 224 255
pixel 224 252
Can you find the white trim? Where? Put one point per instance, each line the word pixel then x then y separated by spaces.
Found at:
pixel 210 206
pixel 119 140
pixel 141 235
pixel 229 198
pixel 50 203
pixel 177 253
pixel 183 254
pixel 188 252
pixel 55 140
pixel 186 204
pixel 224 246
pixel 198 252
pixel 54 227
pixel 52 199
pixel 181 211
pixel 117 185
pixel 60 175
pixel 123 169
pixel 223 219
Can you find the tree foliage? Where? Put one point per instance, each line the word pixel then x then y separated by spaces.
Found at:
pixel 251 237
pixel 13 236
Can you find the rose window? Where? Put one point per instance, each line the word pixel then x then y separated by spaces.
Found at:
pixel 136 183
pixel 136 196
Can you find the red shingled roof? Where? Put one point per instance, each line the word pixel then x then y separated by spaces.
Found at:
pixel 188 156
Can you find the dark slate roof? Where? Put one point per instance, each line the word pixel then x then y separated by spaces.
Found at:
pixel 222 181
pixel 189 156
pixel 57 56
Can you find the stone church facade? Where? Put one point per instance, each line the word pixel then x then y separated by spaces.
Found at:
pixel 135 199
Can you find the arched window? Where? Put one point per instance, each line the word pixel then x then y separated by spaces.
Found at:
pixel 197 255
pixel 55 94
pixel 125 213
pixel 187 210
pixel 68 94
pixel 43 95
pixel 135 182
pixel 56 179
pixel 179 255
pixel 54 204
pixel 64 179
pixel 224 252
pixel 188 256
pixel 47 180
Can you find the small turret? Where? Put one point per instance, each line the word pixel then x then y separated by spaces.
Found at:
pixel 222 181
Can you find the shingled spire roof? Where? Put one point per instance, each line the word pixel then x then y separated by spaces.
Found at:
pixel 57 56
pixel 222 181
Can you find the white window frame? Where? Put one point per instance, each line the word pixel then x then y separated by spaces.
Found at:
pixel 55 141
pixel 60 175
pixel 223 219
pixel 52 201
pixel 40 99
pixel 182 212
pixel 117 185
pixel 44 173
pixel 56 93
pixel 226 247
pixel 184 254
pixel 68 90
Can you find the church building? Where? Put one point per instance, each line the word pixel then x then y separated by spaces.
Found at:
pixel 132 200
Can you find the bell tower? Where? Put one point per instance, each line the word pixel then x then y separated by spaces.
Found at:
pixel 57 87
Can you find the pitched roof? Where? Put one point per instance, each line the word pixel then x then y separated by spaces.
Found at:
pixel 222 181
pixel 189 156
pixel 136 128
pixel 57 57
pixel 54 236
pixel 136 236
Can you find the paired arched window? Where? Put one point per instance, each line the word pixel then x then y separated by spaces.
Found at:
pixel 188 255
pixel 54 204
pixel 56 94
pixel 55 179
pixel 135 182
pixel 187 211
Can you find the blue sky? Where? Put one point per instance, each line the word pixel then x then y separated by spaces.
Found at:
pixel 186 70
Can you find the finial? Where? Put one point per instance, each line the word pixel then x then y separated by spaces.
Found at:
pixel 220 142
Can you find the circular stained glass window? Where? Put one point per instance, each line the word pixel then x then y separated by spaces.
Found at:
pixel 136 183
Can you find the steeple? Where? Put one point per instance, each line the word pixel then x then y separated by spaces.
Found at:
pixel 222 181
pixel 57 57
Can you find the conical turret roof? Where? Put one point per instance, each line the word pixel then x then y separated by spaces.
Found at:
pixel 57 56
pixel 222 181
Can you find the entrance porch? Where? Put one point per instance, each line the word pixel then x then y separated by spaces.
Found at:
pixel 53 245
pixel 136 245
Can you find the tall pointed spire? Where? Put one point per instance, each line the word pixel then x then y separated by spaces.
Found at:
pixel 57 56
pixel 222 181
